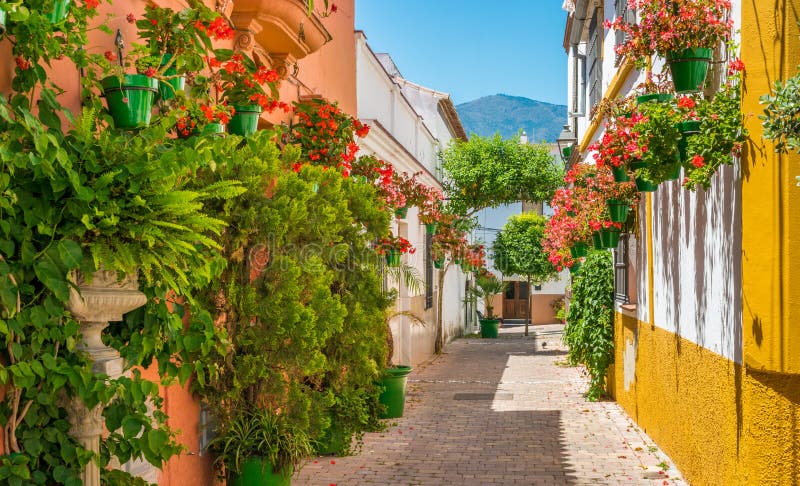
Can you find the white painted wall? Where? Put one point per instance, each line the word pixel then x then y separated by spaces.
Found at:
pixel 696 245
pixel 409 141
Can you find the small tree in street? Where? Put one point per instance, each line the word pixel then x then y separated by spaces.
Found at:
pixel 487 172
pixel 518 251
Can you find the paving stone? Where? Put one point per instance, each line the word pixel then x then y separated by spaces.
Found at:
pixel 534 427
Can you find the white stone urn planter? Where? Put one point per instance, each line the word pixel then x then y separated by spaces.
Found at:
pixel 99 300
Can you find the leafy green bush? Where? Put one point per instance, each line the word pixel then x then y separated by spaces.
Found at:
pixel 589 332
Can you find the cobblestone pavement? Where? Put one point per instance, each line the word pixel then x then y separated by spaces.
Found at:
pixel 504 411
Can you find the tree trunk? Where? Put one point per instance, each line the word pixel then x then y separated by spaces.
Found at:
pixel 528 306
pixel 438 344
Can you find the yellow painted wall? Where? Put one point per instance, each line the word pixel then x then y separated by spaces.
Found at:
pixel 721 423
pixel 770 199
pixel 724 423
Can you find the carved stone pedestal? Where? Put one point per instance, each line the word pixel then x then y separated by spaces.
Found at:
pixel 103 300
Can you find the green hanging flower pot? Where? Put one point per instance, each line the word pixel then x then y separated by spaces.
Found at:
pixel 653 98
pixel 430 228
pixel 645 186
pixel 60 11
pixel 244 121
pixel 618 210
pixel 597 242
pixel 676 172
pixel 637 164
pixel 401 213
pixel 174 83
pixel 439 263
pixel 213 130
pixel 392 257
pixel 688 68
pixel 579 249
pixel 130 99
pixel 575 268
pixel 687 129
pixel 609 237
pixel 620 173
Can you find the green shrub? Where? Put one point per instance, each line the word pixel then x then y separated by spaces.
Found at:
pixel 589 332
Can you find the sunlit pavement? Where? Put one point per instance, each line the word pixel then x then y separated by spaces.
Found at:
pixel 503 411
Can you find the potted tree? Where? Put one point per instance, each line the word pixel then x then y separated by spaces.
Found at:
pixel 487 285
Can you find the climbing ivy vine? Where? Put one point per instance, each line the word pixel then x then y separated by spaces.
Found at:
pixel 589 332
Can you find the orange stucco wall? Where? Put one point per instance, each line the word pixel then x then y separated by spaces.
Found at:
pixel 329 72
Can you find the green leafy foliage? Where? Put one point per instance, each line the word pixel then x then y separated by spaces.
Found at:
pixel 721 136
pixel 589 332
pixel 488 172
pixel 782 114
pixel 518 248
pixel 300 298
pixel 658 131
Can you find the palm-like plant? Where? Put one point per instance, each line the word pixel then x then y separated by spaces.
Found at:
pixel 486 287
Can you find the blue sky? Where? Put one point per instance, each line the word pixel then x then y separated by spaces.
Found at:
pixel 472 48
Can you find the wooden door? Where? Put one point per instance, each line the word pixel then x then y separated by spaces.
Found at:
pixel 515 300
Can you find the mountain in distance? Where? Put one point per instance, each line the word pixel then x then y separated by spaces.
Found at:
pixel 506 115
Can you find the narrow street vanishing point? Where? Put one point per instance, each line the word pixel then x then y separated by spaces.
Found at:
pixel 505 411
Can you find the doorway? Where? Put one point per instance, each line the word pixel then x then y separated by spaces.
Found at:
pixel 515 300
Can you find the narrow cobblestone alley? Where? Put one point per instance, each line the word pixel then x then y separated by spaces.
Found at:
pixel 505 411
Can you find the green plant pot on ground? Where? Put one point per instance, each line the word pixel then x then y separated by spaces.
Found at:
pixel 688 68
pixel 258 472
pixel 130 99
pixel 393 397
pixel 244 121
pixel 489 328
